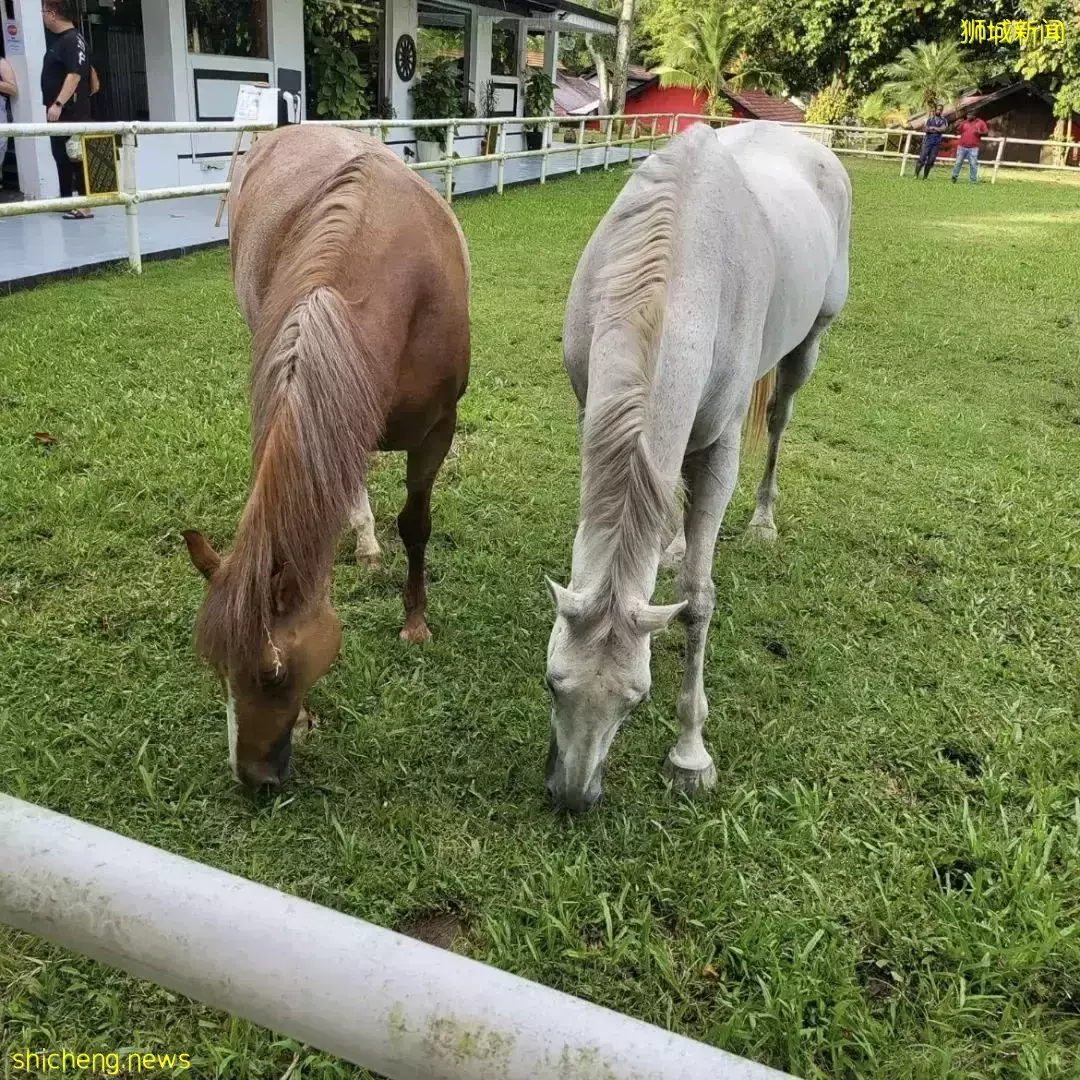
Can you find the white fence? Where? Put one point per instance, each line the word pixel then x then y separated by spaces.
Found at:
pixel 614 134
pixel 407 1010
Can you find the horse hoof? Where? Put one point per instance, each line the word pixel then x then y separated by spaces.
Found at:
pixel 767 533
pixel 416 633
pixel 371 560
pixel 690 781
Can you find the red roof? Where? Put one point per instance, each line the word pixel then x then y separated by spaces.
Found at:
pixel 764 106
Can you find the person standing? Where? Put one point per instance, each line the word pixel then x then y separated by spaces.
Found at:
pixel 935 126
pixel 65 92
pixel 971 130
pixel 8 89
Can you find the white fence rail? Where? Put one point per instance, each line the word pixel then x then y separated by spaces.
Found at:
pixel 616 133
pixel 407 1010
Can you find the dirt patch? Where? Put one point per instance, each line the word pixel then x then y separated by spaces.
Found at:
pixel 440 928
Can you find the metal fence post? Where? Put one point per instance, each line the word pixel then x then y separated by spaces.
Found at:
pixel 448 175
pixel 131 208
pixel 997 160
pixel 607 141
pixel 580 143
pixel 500 149
pixel 904 157
pixel 545 146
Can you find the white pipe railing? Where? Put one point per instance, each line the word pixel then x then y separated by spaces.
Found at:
pixel 404 1009
pixel 661 127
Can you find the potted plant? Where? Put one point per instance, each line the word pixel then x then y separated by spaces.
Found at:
pixel 539 97
pixel 436 96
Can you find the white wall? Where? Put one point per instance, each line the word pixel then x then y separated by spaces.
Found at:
pixel 37 170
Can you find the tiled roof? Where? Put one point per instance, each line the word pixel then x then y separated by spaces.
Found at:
pixel 574 95
pixel 766 107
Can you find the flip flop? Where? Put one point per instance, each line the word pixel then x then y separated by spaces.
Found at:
pixel 78 215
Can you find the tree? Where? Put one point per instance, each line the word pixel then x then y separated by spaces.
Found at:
pixel 622 56
pixel 1057 62
pixel 928 73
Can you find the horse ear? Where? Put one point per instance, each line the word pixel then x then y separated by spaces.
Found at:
pixel 203 557
pixel 567 604
pixel 651 619
pixel 285 589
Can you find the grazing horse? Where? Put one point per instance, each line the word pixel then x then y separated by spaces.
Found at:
pixel 353 276
pixel 724 257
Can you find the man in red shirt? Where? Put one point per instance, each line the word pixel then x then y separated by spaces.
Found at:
pixel 971 130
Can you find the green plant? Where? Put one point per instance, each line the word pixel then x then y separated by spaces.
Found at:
pixel 339 38
pixel 919 76
pixel 539 97
pixel 832 105
pixel 437 96
pixel 707 53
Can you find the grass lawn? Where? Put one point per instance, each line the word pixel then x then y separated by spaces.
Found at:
pixel 886 882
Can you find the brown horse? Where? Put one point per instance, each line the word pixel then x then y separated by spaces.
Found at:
pixel 353 277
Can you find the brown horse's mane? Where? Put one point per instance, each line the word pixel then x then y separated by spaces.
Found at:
pixel 318 400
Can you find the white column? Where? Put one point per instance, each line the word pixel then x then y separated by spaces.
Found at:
pixel 165 42
pixel 551 55
pixel 480 55
pixel 37 170
pixel 287 36
pixel 401 19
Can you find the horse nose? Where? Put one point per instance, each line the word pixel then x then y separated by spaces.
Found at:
pixel 579 803
pixel 270 773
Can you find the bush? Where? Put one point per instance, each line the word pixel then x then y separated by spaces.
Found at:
pixel 539 96
pixel 833 105
pixel 437 96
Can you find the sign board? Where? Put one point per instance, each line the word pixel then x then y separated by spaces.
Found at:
pixel 13 39
pixel 256 104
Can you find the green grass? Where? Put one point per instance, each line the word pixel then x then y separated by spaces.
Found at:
pixel 886 882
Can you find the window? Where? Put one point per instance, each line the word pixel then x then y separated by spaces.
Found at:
pixel 227 28
pixel 504 48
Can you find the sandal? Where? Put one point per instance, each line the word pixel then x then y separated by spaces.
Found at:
pixel 78 215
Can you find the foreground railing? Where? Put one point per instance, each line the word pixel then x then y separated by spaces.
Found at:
pixel 383 1001
pixel 614 135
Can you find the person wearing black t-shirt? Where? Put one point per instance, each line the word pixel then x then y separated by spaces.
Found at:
pixel 65 92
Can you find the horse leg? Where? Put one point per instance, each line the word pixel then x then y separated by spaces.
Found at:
pixel 791 373
pixel 414 521
pixel 368 552
pixel 711 477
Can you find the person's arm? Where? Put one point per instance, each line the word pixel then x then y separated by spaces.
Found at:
pixel 67 91
pixel 8 85
pixel 95 82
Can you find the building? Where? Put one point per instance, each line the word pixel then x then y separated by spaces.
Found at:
pixel 1017 110
pixel 646 95
pixel 185 60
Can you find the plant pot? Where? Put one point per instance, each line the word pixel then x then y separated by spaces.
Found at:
pixel 534 140
pixel 428 151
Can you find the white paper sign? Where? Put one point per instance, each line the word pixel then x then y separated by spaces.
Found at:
pixel 256 104
pixel 13 39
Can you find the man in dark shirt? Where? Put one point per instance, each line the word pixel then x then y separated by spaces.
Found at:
pixel 65 91
pixel 935 125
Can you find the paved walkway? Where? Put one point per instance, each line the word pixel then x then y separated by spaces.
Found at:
pixel 37 247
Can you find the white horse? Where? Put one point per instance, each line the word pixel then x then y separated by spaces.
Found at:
pixel 724 257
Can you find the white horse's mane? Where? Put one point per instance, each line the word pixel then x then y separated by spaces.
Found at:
pixel 624 500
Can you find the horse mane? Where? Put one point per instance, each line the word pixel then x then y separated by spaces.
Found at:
pixel 624 498
pixel 317 405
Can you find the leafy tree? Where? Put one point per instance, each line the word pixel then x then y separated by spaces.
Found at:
pixel 834 104
pixel 928 73
pixel 1057 63
pixel 707 52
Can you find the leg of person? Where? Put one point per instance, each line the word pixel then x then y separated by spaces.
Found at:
pixel 368 552
pixel 958 164
pixel 414 522
pixel 58 143
pixel 711 476
pixel 791 373
pixel 973 166
pixel 931 158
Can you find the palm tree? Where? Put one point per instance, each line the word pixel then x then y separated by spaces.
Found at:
pixel 928 73
pixel 706 52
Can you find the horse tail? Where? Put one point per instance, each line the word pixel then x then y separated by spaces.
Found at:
pixel 757 414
